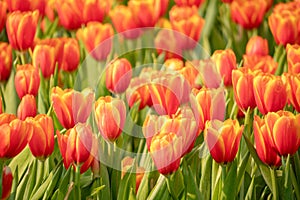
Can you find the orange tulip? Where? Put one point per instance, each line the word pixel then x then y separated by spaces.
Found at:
pixel 270 93
pixel 76 146
pixel 124 22
pixel 27 5
pixel 223 139
pixel 41 143
pixel 226 62
pixel 95 10
pixel 165 150
pixel 7 180
pixel 264 63
pixel 293 58
pixel 6 118
pixel 257 46
pixel 207 104
pixel 5 61
pixel 27 80
pixel 293 82
pixel 44 58
pixel 27 107
pixel 242 82
pixel 118 74
pixel 108 109
pixel 96 38
pixel 284 25
pixel 69 14
pixel 21 28
pixel 127 163
pixel 209 74
pixel 146 12
pixel 168 91
pixel 265 147
pixel 71 54
pixel 3 9
pixel 14 136
pixel 71 106
pixel 187 21
pixel 249 14
pixel 189 2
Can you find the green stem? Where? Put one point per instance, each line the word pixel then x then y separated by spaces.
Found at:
pixel 77 181
pixel 170 188
pixel 295 184
pixel 274 184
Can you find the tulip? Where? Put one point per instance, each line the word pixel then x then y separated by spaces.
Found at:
pixel 165 150
pixel 293 82
pixel 293 54
pixel 284 27
pixel 44 58
pixel 27 80
pixel 21 28
pixel 27 107
pixel 227 1
pixel 210 75
pixel 270 93
pixel 168 91
pixel 71 54
pixel 27 5
pixel 3 9
pixel 124 22
pixel 14 136
pixel 257 46
pixel 108 109
pixel 189 2
pixel 264 63
pixel 249 14
pixel 118 75
pixel 96 38
pixel 58 45
pixel 41 143
pixel 138 90
pixel 265 147
pixel 127 163
pixel 71 106
pixel 76 146
pixel 223 139
pixel 151 11
pixel 6 118
pixel 242 82
pixel 7 179
pixel 226 62
pixel 69 14
pixel 95 10
pixel 187 21
pixel 5 61
pixel 207 104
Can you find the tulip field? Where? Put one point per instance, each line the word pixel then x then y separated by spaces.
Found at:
pixel 149 99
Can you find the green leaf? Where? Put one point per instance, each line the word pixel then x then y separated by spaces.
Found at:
pixel 250 192
pixel 105 193
pixel 229 192
pixel 39 193
pixel 127 183
pixel 264 170
pixel 25 157
pixel 10 95
pixel 54 182
pixel 159 189
pixel 242 169
pixel 63 186
pixel 96 190
pixel 32 179
pixel 205 181
pixel 191 186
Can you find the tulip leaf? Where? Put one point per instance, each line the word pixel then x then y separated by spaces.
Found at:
pixel 25 157
pixel 286 189
pixel 127 183
pixel 105 193
pixel 39 193
pixel 229 189
pixel 63 186
pixel 50 188
pixel 115 179
pixel 242 169
pixel 143 190
pixel 190 183
pixel 22 186
pixel 250 192
pixel 264 170
pixel 10 95
pixel 14 185
pixel 159 189
pixel 205 181
pixel 32 179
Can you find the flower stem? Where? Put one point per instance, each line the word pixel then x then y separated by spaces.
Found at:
pixel 77 181
pixel 274 184
pixel 295 184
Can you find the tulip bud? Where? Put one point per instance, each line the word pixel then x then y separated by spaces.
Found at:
pixel 293 58
pixel 14 136
pixel 249 14
pixel 71 54
pixel 5 61
pixel 6 118
pixel 27 5
pixel 270 93
pixel 265 147
pixel 27 107
pixel 189 2
pixel 3 9
pixel 44 58
pixel 71 106
pixel 7 179
pixel 264 63
pixel 96 38
pixel 242 82
pixel 112 110
pixel 69 13
pixel 41 143
pixel 95 10
pixel 118 75
pixel 293 82
pixel 187 21
pixel 226 62
pixel 76 146
pixel 27 80
pixel 21 28
pixel 257 46
pixel 223 139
